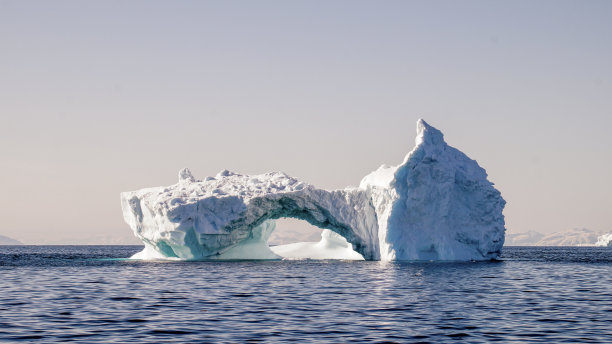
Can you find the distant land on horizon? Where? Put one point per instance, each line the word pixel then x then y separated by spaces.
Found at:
pixel 127 239
pixel 4 240
pixel 573 237
pixel 291 232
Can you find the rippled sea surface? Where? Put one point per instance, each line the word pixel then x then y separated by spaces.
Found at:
pixel 89 294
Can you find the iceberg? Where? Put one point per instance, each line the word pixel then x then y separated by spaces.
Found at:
pixel 604 240
pixel 436 205
pixel 331 246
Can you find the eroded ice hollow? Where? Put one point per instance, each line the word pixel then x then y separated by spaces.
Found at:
pixel 436 205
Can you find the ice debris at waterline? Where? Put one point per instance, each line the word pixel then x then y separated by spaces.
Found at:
pixel 436 205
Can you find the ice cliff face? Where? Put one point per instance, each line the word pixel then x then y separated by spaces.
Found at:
pixel 436 205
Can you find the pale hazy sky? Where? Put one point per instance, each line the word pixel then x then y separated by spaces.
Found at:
pixel 99 97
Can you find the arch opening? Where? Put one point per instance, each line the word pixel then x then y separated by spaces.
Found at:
pixel 314 211
pixel 290 230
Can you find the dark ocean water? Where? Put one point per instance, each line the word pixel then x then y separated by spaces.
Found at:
pixel 88 294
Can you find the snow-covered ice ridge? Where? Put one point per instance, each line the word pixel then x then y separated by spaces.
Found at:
pixel 436 205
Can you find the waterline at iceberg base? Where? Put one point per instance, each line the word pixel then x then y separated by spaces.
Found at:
pixel 436 205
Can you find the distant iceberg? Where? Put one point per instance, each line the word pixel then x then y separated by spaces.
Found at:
pixel 604 240
pixel 436 205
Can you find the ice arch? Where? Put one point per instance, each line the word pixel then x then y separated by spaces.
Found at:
pixel 199 219
pixel 436 205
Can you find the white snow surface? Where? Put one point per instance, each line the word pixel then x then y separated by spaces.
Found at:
pixel 436 205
